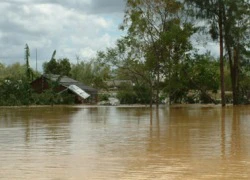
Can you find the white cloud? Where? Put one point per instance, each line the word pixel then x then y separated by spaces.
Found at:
pixel 71 27
pixel 103 22
pixel 87 53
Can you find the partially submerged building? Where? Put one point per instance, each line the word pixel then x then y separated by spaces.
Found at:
pixel 82 93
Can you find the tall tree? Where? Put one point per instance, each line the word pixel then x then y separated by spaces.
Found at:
pixel 28 69
pixel 229 20
pixel 53 55
pixel 127 64
pixel 152 26
pixel 212 12
pixel 236 16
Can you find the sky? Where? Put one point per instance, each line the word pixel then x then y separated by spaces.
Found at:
pixel 74 28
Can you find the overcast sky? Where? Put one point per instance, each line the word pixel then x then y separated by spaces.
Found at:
pixel 71 27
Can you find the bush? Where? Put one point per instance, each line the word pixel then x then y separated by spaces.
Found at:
pixel 50 98
pixel 142 94
pixel 126 97
pixel 14 92
pixel 103 97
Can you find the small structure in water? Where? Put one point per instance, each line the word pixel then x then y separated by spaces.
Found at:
pixel 82 93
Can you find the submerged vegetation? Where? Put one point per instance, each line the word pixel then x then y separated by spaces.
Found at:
pixel 157 56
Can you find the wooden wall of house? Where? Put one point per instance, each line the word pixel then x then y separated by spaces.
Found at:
pixel 41 84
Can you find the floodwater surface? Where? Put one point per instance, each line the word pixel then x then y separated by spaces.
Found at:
pixel 78 143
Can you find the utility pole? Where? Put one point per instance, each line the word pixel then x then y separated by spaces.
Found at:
pixel 36 59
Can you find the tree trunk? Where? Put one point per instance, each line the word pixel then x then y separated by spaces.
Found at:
pixel 236 77
pixel 234 72
pixel 151 95
pixel 157 87
pixel 233 61
pixel 223 103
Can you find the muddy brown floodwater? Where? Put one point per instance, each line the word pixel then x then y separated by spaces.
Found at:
pixel 78 143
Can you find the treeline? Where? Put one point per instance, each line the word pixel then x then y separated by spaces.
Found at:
pixel 157 50
pixel 157 55
pixel 197 82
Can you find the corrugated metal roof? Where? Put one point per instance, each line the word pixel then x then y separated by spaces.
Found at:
pixel 79 91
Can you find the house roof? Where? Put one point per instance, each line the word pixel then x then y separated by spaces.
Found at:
pixel 66 82
pixel 117 83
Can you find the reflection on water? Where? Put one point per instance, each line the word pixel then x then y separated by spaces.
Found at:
pixel 188 142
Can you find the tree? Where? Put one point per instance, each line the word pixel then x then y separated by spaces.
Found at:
pixel 29 72
pixel 127 64
pixel 229 20
pixel 236 16
pixel 61 66
pixel 53 55
pixel 212 11
pixel 51 67
pixel 13 71
pixel 203 76
pixel 154 28
pixel 244 77
pixel 64 67
pixel 92 73
pixel 14 85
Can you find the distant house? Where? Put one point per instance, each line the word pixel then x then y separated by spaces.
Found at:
pixel 113 86
pixel 83 93
pixel 116 84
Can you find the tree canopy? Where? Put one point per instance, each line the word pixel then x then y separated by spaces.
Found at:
pixel 60 67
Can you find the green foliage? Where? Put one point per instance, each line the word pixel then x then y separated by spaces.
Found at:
pixel 245 89
pixel 92 73
pixel 15 71
pixel 126 94
pixel 48 97
pixel 64 67
pixel 50 67
pixel 198 74
pixel 14 85
pixel 204 72
pixel 59 67
pixel 126 97
pixel 137 94
pixel 103 97
pixel 67 98
pixel 155 56
pixel 53 55
pixel 156 30
pixel 229 20
pixel 29 72
pixel 143 94
pixel 14 92
pixel 45 98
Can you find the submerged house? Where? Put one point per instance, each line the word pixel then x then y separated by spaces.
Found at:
pixel 81 92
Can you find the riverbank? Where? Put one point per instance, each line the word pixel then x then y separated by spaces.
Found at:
pixel 125 105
